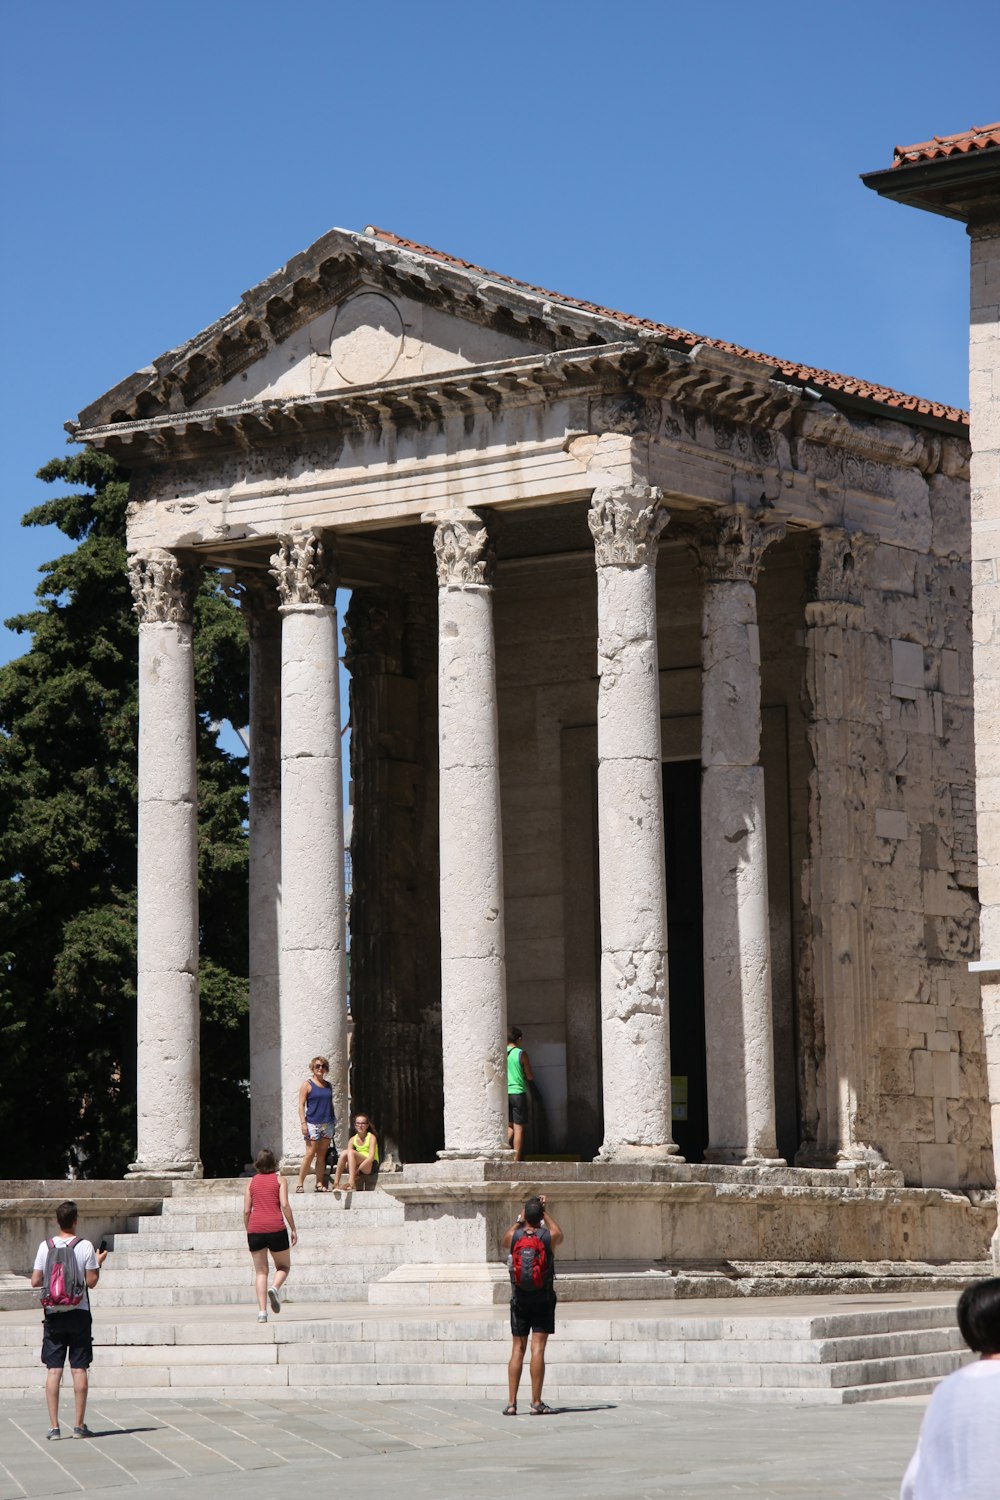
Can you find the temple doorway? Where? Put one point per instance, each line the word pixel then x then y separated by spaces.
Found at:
pixel 682 830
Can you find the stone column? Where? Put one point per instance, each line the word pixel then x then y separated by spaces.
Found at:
pixel 260 605
pixel 635 1014
pixel 984 391
pixel 169 1101
pixel 473 970
pixel 842 1051
pixel 738 1026
pixel 312 964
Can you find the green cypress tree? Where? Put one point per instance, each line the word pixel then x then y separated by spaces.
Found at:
pixel 68 735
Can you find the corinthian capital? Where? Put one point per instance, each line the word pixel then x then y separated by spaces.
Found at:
pixel 729 550
pixel 626 523
pixel 303 570
pixel 464 552
pixel 163 587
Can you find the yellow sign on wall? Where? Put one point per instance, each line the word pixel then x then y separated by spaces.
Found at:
pixel 679 1098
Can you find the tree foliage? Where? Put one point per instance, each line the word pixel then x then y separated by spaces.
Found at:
pixel 68 737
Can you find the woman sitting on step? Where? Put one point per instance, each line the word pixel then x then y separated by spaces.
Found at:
pixel 361 1154
pixel 266 1211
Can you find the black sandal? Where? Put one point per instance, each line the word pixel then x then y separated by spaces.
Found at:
pixel 510 1410
pixel 539 1409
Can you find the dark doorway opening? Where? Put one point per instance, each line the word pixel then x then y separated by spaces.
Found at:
pixel 682 831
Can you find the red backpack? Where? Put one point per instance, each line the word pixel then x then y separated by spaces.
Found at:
pixel 530 1261
pixel 63 1286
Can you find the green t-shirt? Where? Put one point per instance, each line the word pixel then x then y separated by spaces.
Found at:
pixel 515 1073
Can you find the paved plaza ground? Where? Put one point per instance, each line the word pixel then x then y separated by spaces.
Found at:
pixel 416 1450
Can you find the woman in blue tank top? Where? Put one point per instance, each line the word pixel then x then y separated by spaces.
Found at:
pixel 317 1119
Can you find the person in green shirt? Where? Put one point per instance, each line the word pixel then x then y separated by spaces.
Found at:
pixel 519 1075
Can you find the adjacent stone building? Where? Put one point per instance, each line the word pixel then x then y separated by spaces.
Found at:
pixel 661 726
pixel 959 176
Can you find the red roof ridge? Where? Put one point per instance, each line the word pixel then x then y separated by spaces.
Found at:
pixel 847 385
pixel 979 138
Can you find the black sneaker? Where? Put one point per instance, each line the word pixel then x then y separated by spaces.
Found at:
pixel 83 1431
pixel 53 1432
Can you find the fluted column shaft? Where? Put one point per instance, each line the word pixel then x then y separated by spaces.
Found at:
pixel 473 970
pixel 635 1015
pixel 260 604
pixel 738 1020
pixel 312 963
pixel 168 1059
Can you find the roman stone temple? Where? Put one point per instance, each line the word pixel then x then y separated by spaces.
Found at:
pixel 661 736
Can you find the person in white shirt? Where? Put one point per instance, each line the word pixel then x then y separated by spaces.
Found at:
pixel 68 1329
pixel 958 1451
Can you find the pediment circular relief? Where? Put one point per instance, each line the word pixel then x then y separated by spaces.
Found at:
pixel 367 338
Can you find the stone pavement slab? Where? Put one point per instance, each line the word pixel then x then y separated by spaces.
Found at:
pixel 428 1450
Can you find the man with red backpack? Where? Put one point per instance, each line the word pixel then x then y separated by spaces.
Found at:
pixel 530 1241
pixel 66 1268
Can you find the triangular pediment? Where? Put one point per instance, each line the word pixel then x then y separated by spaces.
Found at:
pixel 353 309
pixel 372 335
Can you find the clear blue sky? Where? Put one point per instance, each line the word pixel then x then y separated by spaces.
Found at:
pixel 697 164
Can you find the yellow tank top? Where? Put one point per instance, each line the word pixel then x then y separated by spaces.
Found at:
pixel 363 1148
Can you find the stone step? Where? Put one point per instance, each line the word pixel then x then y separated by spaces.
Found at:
pixel 219 1220
pixel 316 1269
pixel 217 1249
pixel 290 1368
pixel 833 1358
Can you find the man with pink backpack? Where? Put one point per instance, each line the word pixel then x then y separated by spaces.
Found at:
pixel 66 1268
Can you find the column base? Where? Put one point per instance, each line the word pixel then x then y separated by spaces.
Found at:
pixel 188 1169
pixel 626 1151
pixel 737 1156
pixel 500 1153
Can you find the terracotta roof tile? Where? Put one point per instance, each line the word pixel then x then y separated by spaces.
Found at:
pixel 979 138
pixel 846 385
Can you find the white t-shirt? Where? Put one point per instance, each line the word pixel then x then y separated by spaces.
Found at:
pixel 86 1259
pixel 958 1451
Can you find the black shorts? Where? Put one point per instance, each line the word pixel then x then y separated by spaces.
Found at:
pixel 532 1314
pixel 517 1109
pixel 276 1239
pixel 68 1333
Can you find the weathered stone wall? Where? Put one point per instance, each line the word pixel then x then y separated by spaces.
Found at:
pixel 927 1108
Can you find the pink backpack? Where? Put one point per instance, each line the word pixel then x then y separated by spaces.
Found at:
pixel 64 1286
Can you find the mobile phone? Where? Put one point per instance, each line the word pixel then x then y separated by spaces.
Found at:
pixel 103 1245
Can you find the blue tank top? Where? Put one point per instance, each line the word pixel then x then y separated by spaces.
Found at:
pixel 319 1103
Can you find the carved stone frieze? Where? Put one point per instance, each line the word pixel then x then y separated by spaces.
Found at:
pixel 464 553
pixel 626 523
pixel 303 570
pixel 730 548
pixel 163 587
pixel 627 413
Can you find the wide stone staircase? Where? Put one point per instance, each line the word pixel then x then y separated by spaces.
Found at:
pixel 175 1315
pixel 194 1253
pixel 774 1352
